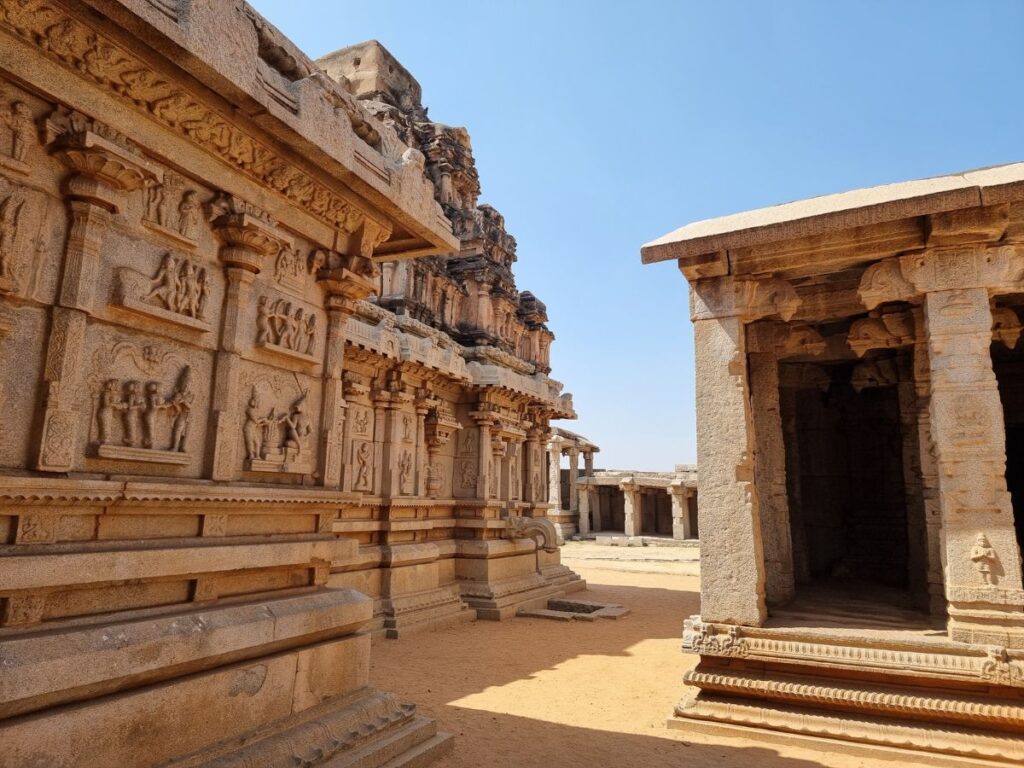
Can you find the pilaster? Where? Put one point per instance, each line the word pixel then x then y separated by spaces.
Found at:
pixel 732 555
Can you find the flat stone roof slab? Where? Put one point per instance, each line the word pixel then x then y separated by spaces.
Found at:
pixel 859 207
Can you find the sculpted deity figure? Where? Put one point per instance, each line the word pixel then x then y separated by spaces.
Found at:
pixel 154 404
pixel 135 403
pixel 180 403
pixel 19 120
pixel 186 279
pixel 984 558
pixel 164 285
pixel 296 426
pixel 263 321
pixel 361 421
pixel 467 474
pixel 110 405
pixel 10 213
pixel 310 333
pixel 188 214
pixel 253 430
pixel 363 467
pixel 404 470
pixel 155 203
pixel 203 293
pixel 406 427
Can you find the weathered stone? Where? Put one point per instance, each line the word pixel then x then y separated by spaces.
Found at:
pixel 860 466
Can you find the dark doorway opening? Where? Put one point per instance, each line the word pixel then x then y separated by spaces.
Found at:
pixel 848 507
pixel 1009 369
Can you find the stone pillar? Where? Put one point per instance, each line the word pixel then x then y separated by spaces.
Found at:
pixel 770 461
pixel 583 525
pixel 929 477
pixel 574 471
pixel 423 460
pixel 333 416
pixel 588 463
pixel 983 568
pixel 102 175
pixel 533 470
pixel 633 509
pixel 381 399
pixel 555 475
pixel 732 558
pixel 680 510
pixel 247 241
pixel 484 420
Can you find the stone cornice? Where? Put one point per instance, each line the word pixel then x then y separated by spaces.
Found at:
pixel 48 26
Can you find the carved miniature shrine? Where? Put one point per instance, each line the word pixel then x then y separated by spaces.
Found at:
pixel 270 388
pixel 860 402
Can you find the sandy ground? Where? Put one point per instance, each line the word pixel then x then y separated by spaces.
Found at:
pixel 532 692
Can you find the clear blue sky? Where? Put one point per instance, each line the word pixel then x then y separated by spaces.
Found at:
pixel 597 126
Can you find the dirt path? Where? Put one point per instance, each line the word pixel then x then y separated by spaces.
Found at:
pixel 530 692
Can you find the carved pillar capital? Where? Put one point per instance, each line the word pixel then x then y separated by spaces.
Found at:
pixel 996 268
pixel 249 236
pixel 749 298
pixel 103 171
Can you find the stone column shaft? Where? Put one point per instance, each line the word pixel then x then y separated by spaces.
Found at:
pixel 555 478
pixel 982 563
pixel 584 522
pixel 732 560
pixel 770 466
pixel 633 518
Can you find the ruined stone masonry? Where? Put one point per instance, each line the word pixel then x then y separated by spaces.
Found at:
pixel 860 438
pixel 269 389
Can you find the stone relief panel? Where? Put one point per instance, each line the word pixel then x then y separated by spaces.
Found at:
pixel 279 421
pixel 287 328
pixel 148 401
pixel 466 462
pixel 173 210
pixel 178 292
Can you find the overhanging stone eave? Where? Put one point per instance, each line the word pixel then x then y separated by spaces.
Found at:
pixel 695 243
pixel 370 181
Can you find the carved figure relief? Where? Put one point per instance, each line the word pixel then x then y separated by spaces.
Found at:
pixel 171 210
pixel 21 125
pixel 180 285
pixel 289 269
pixel 277 442
pixel 280 325
pixel 467 474
pixel 10 218
pixel 984 558
pixel 407 428
pixel 139 423
pixel 364 465
pixel 405 472
pixel 361 421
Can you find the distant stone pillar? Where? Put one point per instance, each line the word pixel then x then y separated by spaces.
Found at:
pixel 485 458
pixel 588 463
pixel 555 475
pixel 583 526
pixel 533 470
pixel 680 510
pixel 574 471
pixel 633 522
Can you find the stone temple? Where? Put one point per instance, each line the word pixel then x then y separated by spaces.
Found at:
pixel 860 393
pixel 253 414
pixel 271 393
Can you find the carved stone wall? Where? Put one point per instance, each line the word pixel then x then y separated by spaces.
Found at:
pixel 209 426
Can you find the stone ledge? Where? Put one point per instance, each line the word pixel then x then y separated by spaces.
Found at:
pixel 39 671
